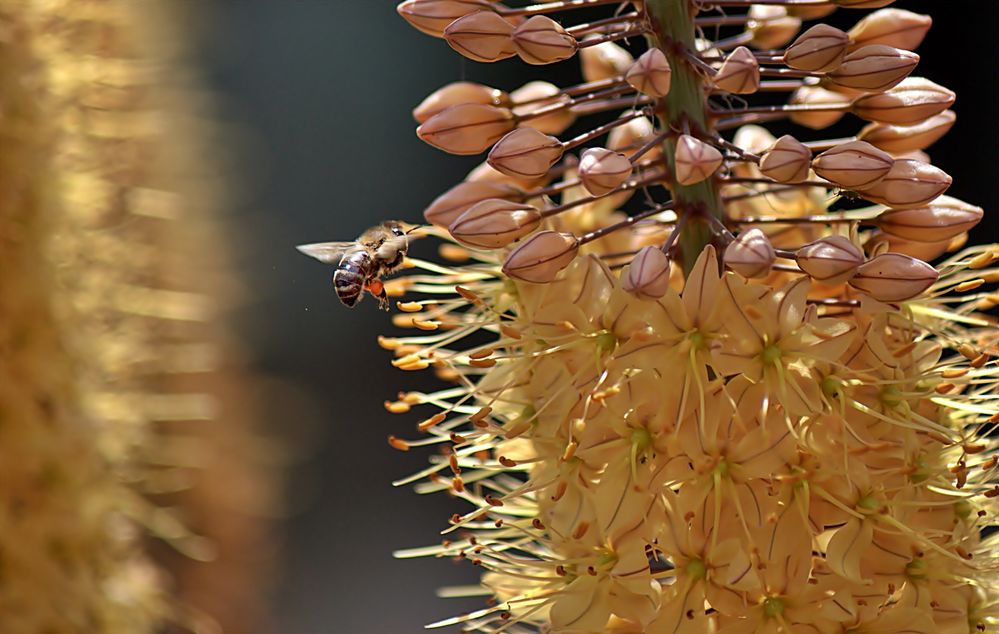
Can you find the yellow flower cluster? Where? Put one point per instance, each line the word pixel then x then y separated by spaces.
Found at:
pixel 733 457
pixel 795 438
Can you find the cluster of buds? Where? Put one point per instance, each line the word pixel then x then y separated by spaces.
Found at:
pixel 750 402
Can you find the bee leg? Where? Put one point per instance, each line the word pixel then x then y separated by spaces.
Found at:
pixel 376 288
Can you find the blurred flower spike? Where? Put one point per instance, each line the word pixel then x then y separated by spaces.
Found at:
pixel 756 397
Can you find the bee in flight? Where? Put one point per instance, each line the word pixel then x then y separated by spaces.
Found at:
pixel 361 263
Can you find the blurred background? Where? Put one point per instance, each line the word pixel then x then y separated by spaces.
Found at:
pixel 315 97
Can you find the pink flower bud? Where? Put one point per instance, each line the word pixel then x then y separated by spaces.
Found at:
pixel 602 170
pixel 874 68
pixel 648 275
pixel 830 260
pixel 914 100
pixel 751 254
pixel 483 36
pixel 893 277
pixel 433 16
pixel 909 184
pixel 820 48
pixel 739 73
pixel 466 128
pixel 533 95
pixel 494 223
pixel 541 40
pixel 943 219
pixel 787 161
pixel 770 26
pixel 897 139
pixel 452 203
pixel 925 251
pixel 695 160
pixel 891 27
pixel 604 61
pixel 650 74
pixel 456 93
pixel 855 165
pixel 540 257
pixel 810 12
pixel 525 153
pixel 632 136
pixel 817 96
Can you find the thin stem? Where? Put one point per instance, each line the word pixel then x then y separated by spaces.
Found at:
pixel 604 129
pixel 555 107
pixel 580 89
pixel 551 7
pixel 627 222
pixel 612 37
pixel 646 179
pixel 798 220
pixel 583 29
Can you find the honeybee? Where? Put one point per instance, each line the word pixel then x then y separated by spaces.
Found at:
pixel 361 263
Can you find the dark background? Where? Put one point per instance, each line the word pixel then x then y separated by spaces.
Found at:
pixel 316 95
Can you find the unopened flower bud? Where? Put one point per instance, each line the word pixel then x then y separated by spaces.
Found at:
pixel 433 16
pixel 632 136
pixel 739 73
pixel 455 201
pixel 604 61
pixel 541 256
pixel 750 254
pixel 830 260
pixel 648 274
pixel 650 74
pixel 862 4
pixel 817 96
pixel 912 101
pixel 942 219
pixel 533 95
pixel 456 93
pixel 891 27
pixel 820 48
pixel 494 223
pixel 466 128
pixel 899 139
pixel 483 36
pixel 602 170
pixel 855 165
pixel 770 26
pixel 695 160
pixel 925 251
pixel 787 161
pixel 874 68
pixel 909 184
pixel 893 277
pixel 810 12
pixel 541 40
pixel 525 153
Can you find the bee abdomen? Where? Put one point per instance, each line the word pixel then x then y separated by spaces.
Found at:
pixel 349 278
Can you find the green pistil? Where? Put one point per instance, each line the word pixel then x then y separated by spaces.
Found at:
pixel 891 396
pixel 916 569
pixel 641 439
pixel 698 340
pixel 770 355
pixel 606 559
pixel 696 569
pixel 773 607
pixel 606 341
pixel 722 468
pixel 868 504
pixel 831 386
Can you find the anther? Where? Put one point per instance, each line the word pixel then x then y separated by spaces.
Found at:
pixel 398 443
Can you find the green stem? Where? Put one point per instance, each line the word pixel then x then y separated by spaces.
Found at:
pixel 684 110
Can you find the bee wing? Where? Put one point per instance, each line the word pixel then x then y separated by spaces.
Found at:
pixel 329 252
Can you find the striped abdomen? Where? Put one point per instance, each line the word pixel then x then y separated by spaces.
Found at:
pixel 351 275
